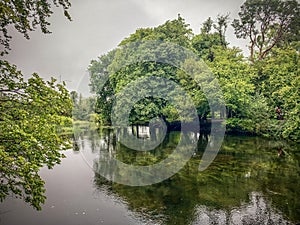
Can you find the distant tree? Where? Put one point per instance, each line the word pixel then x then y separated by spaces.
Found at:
pixel 83 107
pixel 74 97
pixel 267 23
pixel 221 27
pixel 213 33
pixel 207 26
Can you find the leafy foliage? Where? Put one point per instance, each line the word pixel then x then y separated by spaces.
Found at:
pixel 207 39
pixel 32 115
pixel 25 16
pixel 281 85
pixel 111 66
pixel 268 24
pixel 33 112
pixel 252 89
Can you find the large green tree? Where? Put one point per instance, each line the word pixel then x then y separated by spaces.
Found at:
pixel 110 68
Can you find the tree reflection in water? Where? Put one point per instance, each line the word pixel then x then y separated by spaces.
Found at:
pixel 248 183
pixel 257 211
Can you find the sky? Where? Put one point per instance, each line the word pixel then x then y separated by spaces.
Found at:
pixel 98 26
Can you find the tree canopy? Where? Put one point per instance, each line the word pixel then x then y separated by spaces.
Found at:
pixel 252 88
pixel 175 31
pixel 267 23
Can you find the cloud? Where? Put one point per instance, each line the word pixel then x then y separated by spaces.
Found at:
pixel 97 27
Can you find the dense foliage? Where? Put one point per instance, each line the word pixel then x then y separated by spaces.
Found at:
pixel 163 57
pixel 33 112
pixel 261 92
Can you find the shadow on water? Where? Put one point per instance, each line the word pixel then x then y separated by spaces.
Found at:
pixel 252 181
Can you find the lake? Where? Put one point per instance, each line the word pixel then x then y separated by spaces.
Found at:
pixel 251 181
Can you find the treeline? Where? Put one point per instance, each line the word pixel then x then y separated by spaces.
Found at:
pixel 83 108
pixel 261 92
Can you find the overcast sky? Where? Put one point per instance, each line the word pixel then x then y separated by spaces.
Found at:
pixel 98 26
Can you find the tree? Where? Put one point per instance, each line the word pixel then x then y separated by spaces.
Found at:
pixel 204 42
pixel 107 66
pixel 74 97
pixel 267 23
pixel 26 16
pixel 272 27
pixel 32 114
pixel 230 69
pixel 221 27
pixel 102 86
pixel 207 26
pixel 246 110
pixel 83 108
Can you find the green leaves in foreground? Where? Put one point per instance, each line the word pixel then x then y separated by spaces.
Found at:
pixel 32 114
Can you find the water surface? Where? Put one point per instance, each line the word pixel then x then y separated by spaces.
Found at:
pixel 251 181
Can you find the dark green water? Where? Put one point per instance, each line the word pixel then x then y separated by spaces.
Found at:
pixel 251 181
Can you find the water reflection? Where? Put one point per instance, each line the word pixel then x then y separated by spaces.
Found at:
pixel 248 183
pixel 257 211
